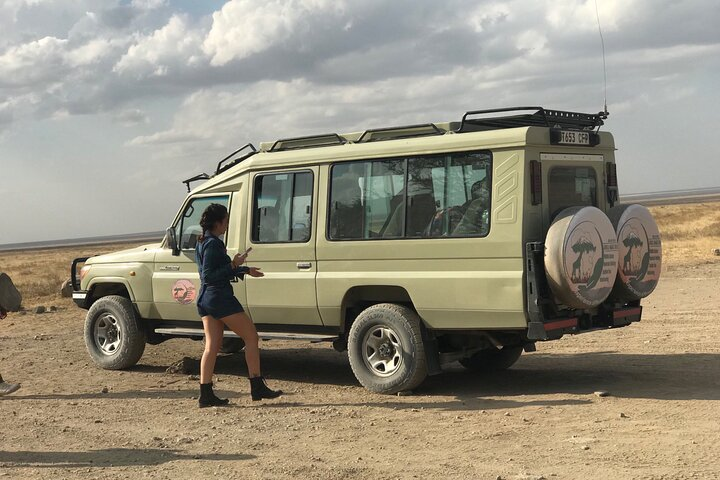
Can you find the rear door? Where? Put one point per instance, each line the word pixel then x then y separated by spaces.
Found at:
pixel 571 180
pixel 282 236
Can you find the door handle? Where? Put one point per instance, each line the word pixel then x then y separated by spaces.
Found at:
pixel 304 265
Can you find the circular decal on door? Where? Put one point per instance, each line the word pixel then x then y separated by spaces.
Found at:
pixel 183 291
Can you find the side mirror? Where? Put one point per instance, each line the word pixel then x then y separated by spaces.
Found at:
pixel 172 241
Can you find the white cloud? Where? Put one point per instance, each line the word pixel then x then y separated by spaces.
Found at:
pixel 148 4
pixel 32 62
pixel 130 117
pixel 572 15
pixel 174 45
pixel 245 27
pixel 488 15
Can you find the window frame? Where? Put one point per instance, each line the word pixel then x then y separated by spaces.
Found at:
pixel 181 216
pixel 405 159
pixel 252 228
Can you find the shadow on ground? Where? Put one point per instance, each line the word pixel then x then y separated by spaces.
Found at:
pixel 117 457
pixel 685 376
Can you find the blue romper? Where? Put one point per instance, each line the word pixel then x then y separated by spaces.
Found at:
pixel 216 296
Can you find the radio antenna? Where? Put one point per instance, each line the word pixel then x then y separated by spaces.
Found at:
pixel 605 112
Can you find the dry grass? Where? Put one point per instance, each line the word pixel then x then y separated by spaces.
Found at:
pixel 689 232
pixel 39 274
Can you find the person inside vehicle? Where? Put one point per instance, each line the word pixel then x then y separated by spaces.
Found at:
pixel 476 211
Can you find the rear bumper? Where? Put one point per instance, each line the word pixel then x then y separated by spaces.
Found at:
pixel 554 328
pixel 547 322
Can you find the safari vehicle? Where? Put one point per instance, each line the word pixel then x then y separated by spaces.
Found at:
pixel 409 247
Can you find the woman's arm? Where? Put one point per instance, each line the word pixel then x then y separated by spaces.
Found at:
pixel 217 266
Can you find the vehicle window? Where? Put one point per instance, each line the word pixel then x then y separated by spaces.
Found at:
pixel 446 195
pixel 571 186
pixel 190 221
pixel 461 192
pixel 282 206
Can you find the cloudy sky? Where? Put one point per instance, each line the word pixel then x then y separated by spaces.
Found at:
pixel 105 106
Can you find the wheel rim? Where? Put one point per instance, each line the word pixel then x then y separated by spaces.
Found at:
pixel 107 334
pixel 382 351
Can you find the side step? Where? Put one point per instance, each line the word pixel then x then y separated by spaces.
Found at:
pixel 198 332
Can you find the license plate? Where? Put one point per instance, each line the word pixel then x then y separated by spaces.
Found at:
pixel 574 138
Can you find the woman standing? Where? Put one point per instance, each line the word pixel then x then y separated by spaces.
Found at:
pixel 218 307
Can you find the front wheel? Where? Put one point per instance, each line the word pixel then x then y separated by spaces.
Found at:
pixel 493 359
pixel 113 335
pixel 386 350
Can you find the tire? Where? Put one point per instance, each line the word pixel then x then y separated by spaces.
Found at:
pixel 113 335
pixel 232 345
pixel 581 257
pixel 492 359
pixel 386 350
pixel 640 252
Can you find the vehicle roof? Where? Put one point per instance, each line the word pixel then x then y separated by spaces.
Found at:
pixel 449 141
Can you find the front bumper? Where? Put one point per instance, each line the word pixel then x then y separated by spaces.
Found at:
pixel 80 298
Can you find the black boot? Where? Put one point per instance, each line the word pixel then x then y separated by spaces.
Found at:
pixel 260 390
pixel 208 398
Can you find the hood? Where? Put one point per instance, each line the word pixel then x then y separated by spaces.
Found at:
pixel 143 253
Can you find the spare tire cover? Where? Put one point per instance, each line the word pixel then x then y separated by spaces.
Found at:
pixel 581 257
pixel 639 252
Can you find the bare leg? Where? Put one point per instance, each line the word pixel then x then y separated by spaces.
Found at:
pixel 213 341
pixel 244 328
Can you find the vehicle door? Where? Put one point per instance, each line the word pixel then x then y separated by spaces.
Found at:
pixel 282 235
pixel 175 282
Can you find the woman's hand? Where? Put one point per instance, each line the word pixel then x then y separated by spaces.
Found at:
pixel 255 272
pixel 239 259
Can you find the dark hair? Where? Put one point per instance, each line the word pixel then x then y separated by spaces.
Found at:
pixel 213 214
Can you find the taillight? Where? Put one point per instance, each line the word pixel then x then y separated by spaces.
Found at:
pixel 611 175
pixel 535 182
pixel 611 182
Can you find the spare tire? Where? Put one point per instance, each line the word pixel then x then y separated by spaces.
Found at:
pixel 639 252
pixel 581 257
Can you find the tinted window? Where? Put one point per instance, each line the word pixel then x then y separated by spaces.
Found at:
pixel 446 195
pixel 190 222
pixel 282 206
pixel 571 186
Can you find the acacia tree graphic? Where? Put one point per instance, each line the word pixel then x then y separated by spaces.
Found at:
pixel 630 242
pixel 580 247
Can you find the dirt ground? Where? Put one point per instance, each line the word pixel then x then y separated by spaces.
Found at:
pixel 541 419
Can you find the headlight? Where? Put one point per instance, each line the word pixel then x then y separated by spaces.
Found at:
pixel 84 270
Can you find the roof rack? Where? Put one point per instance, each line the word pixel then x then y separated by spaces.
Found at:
pixel 391 133
pixel 202 176
pixel 220 168
pixel 325 140
pixel 540 118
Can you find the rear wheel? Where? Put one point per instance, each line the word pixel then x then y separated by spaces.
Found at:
pixel 113 335
pixel 492 359
pixel 386 350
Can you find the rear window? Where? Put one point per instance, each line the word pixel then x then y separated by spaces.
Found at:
pixel 570 187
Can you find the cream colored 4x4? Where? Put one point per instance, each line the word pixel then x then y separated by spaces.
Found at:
pixel 409 247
